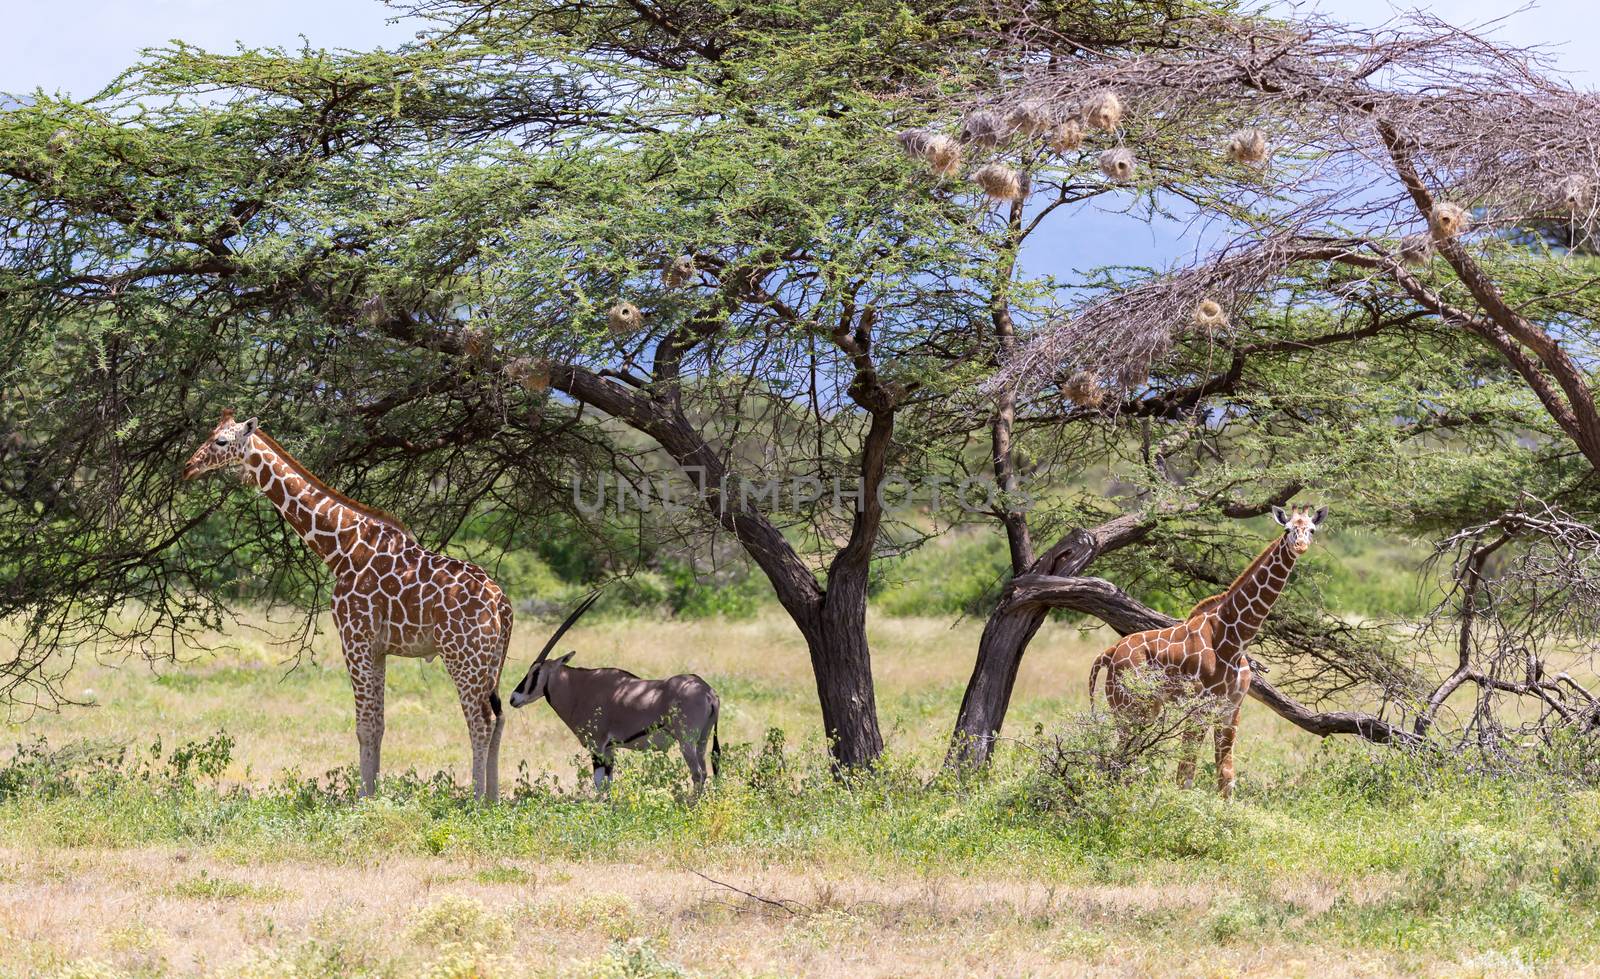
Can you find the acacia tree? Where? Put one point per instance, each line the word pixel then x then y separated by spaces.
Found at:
pixel 1390 183
pixel 394 258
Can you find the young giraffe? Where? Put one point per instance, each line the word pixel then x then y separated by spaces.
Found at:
pixel 1205 653
pixel 391 595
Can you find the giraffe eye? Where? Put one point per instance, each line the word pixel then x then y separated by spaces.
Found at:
pixel 222 440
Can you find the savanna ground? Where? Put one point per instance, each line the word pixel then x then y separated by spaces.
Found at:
pixel 135 840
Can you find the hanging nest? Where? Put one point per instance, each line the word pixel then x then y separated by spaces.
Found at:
pixel 624 318
pixel 1415 250
pixel 476 343
pixel 1448 221
pixel 1118 163
pixel 982 127
pixel 1209 317
pixel 943 156
pixel 915 142
pixel 1083 389
pixel 1029 119
pixel 1103 110
pixel 1248 146
pixel 532 374
pixel 1573 192
pixel 1067 137
pixel 60 141
pixel 374 310
pixel 1001 182
pixel 679 272
pixel 941 153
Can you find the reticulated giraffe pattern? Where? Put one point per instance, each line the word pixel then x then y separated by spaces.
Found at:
pixel 1204 655
pixel 391 595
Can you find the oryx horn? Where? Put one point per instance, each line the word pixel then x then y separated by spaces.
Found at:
pixel 583 607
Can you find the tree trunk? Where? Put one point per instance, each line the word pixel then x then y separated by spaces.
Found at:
pixel 983 708
pixel 1006 635
pixel 842 663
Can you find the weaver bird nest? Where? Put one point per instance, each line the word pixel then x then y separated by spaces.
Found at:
pixel 624 318
pixel 1573 192
pixel 1118 164
pixel 1209 316
pixel 1067 137
pixel 532 374
pixel 1029 119
pixel 983 127
pixel 941 153
pixel 1083 389
pixel 1001 182
pixel 1248 146
pixel 475 342
pixel 1448 221
pixel 1103 110
pixel 679 272
pixel 1415 250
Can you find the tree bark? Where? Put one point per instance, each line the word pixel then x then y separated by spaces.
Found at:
pixel 832 620
pixel 1011 627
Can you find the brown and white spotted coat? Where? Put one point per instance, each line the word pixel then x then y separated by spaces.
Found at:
pixel 1205 653
pixel 391 595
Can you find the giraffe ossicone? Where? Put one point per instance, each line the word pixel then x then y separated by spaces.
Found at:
pixel 1204 655
pixel 391 595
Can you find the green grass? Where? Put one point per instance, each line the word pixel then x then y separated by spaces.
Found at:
pixel 140 840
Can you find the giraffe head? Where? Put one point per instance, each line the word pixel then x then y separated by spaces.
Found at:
pixel 1299 525
pixel 227 445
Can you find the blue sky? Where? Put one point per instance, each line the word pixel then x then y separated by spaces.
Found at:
pixel 76 46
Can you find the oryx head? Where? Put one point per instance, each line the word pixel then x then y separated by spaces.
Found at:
pixel 1299 525
pixel 227 445
pixel 533 684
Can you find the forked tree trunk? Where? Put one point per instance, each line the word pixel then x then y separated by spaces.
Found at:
pixel 1006 635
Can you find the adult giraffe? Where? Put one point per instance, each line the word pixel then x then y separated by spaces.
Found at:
pixel 391 595
pixel 1205 653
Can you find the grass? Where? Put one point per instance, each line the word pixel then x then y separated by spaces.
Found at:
pixel 244 854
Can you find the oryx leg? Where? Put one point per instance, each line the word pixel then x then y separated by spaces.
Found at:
pixel 603 759
pixel 693 747
pixel 366 668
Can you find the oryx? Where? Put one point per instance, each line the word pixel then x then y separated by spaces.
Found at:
pixel 610 707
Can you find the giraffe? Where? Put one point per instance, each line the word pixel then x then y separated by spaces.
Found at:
pixel 391 595
pixel 1205 653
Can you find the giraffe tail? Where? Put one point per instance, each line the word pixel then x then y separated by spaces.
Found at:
pixel 1104 659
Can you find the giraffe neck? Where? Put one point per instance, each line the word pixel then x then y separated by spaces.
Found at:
pixel 1246 603
pixel 331 528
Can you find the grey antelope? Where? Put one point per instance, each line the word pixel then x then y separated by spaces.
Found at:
pixel 610 707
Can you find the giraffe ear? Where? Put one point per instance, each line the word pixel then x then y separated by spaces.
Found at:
pixel 1321 515
pixel 1280 516
pixel 250 426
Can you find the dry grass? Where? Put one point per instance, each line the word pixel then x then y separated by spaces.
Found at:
pixel 237 908
pixel 125 909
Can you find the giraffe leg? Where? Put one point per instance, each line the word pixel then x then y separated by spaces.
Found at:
pixel 366 678
pixel 477 705
pixel 1187 752
pixel 1225 735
